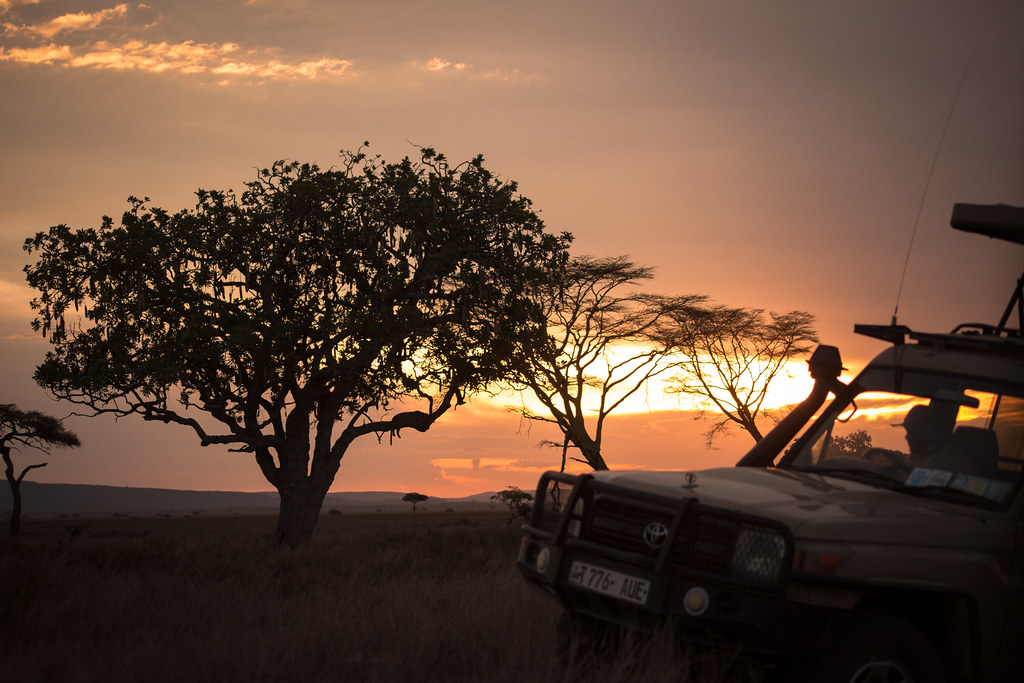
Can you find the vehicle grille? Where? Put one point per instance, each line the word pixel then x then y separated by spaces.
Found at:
pixel 704 544
pixel 619 525
pixel 706 541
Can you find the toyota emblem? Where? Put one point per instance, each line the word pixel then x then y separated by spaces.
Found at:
pixel 655 534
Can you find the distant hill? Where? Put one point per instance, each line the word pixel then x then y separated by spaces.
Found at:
pixel 92 500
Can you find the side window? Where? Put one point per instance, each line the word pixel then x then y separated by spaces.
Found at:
pixel 818 447
pixel 872 422
pixel 1008 424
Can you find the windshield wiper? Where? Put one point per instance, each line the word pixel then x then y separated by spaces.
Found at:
pixel 865 473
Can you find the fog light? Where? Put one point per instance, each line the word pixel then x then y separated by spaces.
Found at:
pixel 696 601
pixel 543 560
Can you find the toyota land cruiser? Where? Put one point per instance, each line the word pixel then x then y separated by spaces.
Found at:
pixel 880 537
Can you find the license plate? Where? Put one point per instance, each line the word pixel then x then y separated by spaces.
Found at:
pixel 608 582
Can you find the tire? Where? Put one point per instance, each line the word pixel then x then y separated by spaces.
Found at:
pixel 876 648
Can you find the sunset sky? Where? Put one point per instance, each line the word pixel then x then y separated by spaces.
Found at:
pixel 771 155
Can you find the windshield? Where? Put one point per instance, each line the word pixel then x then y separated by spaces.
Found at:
pixel 936 435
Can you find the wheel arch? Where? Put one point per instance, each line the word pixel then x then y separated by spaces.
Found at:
pixel 948 620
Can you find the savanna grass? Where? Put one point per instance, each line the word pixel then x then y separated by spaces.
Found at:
pixel 385 597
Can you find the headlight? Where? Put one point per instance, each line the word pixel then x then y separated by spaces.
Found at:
pixel 758 554
pixel 820 558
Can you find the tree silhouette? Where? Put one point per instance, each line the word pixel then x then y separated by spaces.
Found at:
pixel 729 357
pixel 318 307
pixel 414 498
pixel 27 429
pixel 600 350
pixel 519 502
pixel 851 445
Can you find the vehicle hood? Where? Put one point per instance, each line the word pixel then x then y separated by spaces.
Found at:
pixel 819 507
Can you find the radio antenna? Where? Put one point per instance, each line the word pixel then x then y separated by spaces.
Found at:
pixel 927 184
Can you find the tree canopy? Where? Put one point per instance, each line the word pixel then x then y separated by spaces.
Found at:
pixel 27 429
pixel 600 349
pixel 316 307
pixel 414 498
pixel 519 503
pixel 729 357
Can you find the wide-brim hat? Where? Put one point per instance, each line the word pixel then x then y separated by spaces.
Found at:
pixel 922 421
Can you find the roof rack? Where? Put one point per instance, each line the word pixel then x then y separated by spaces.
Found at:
pixel 894 334
pixel 981 329
pixel 969 336
pixel 989 344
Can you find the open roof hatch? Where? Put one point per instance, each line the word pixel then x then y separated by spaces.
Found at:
pixel 1003 222
pixel 1000 221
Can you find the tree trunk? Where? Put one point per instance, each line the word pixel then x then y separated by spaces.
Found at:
pixel 748 423
pixel 591 452
pixel 299 511
pixel 15 522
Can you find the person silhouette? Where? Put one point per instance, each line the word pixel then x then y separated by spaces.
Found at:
pixel 930 439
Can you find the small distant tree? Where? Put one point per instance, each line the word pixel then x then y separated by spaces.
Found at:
pixel 851 445
pixel 599 350
pixel 729 357
pixel 27 429
pixel 857 444
pixel 414 498
pixel 519 502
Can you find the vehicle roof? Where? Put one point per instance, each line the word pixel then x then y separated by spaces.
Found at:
pixel 986 357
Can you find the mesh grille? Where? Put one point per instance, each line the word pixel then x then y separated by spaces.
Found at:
pixel 705 543
pixel 709 546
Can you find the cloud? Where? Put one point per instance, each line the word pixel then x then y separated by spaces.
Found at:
pixel 44 54
pixel 5 5
pixel 115 38
pixel 77 21
pixel 187 58
pixel 275 69
pixel 437 65
pixel 38 45
pixel 502 464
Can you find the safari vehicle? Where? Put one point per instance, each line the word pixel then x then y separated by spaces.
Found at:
pixel 878 538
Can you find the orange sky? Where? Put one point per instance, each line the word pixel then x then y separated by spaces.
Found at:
pixel 763 154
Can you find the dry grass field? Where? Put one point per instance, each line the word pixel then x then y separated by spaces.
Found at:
pixel 376 597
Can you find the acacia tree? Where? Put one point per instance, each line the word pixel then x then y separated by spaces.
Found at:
pixel 27 429
pixel 729 357
pixel 413 498
pixel 599 351
pixel 318 307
